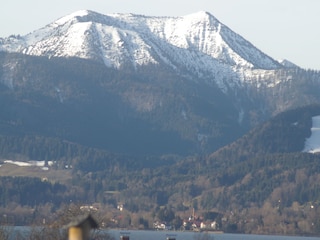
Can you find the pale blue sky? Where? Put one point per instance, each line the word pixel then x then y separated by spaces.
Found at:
pixel 287 29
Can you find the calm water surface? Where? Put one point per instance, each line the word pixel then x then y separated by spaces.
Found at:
pixel 162 235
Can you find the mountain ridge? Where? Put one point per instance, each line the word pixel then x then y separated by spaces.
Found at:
pixel 196 44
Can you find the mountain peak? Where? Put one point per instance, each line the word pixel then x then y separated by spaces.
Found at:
pixel 202 17
pixel 201 14
pixel 71 16
pixel 80 16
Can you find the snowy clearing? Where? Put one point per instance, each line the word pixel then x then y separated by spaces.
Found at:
pixel 29 164
pixel 312 144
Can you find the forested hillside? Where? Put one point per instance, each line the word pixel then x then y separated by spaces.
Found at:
pixel 250 178
pixel 149 111
pixel 285 133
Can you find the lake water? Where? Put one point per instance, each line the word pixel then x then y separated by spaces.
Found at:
pixel 163 235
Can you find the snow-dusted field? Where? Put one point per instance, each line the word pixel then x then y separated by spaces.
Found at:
pixel 312 144
pixel 29 164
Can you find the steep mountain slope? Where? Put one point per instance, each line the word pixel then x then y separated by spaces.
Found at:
pixel 196 46
pixel 152 111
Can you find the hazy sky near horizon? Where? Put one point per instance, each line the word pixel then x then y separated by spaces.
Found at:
pixel 283 29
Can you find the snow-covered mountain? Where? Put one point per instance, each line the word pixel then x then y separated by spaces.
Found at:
pixel 196 44
pixel 171 85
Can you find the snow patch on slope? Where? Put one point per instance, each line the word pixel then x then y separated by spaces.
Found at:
pixel 312 144
pixel 71 43
pixel 42 164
